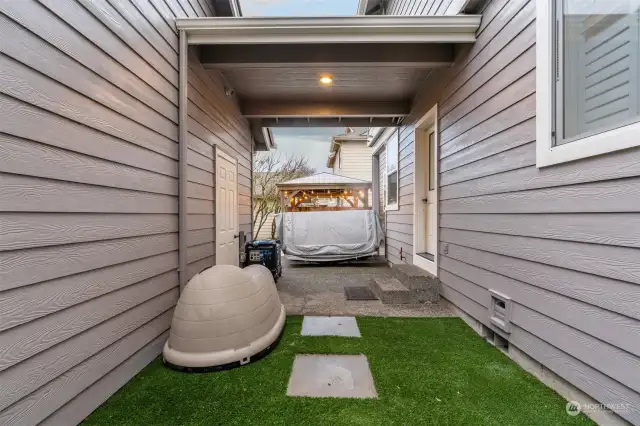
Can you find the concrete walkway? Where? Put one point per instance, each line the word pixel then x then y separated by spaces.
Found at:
pixel 313 289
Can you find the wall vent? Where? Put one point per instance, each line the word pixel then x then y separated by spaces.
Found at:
pixel 500 311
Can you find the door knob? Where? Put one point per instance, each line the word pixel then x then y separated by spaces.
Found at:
pixel 424 200
pixel 236 236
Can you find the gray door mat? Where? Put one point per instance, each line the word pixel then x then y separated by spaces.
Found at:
pixel 359 293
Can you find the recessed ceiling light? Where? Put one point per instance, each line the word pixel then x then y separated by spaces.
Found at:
pixel 326 79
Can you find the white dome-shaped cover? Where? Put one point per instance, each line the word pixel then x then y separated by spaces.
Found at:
pixel 225 315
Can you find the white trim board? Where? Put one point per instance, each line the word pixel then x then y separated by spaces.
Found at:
pixel 430 119
pixel 344 29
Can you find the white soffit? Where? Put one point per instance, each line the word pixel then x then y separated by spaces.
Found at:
pixel 347 29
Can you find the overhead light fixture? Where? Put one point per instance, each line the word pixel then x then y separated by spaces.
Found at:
pixel 326 80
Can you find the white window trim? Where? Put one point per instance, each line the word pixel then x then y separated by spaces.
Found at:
pixel 546 154
pixel 396 206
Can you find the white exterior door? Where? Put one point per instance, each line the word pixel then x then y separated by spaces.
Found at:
pixel 426 197
pixel 227 250
pixel 431 200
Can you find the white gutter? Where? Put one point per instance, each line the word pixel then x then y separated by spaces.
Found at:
pixel 381 138
pixel 269 139
pixel 349 29
pixel 373 137
pixel 183 68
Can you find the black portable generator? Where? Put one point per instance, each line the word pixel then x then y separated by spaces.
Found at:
pixel 266 253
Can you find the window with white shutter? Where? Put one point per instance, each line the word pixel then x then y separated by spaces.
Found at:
pixel 588 78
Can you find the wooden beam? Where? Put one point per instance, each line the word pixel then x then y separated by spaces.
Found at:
pixel 331 122
pixel 275 108
pixel 412 55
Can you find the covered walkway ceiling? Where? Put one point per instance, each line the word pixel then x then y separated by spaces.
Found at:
pixel 376 64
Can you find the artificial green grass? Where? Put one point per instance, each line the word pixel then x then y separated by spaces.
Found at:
pixel 426 371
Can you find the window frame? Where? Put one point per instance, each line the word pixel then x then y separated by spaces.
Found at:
pixel 395 206
pixel 547 153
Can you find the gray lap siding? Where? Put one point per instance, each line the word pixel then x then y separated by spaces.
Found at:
pixel 89 195
pixel 560 241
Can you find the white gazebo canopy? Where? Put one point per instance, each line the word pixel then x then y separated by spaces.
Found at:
pixel 324 185
pixel 323 181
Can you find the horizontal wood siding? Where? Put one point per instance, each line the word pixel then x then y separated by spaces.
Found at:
pixel 399 222
pixel 89 195
pixel 399 230
pixel 355 160
pixel 561 242
pixel 418 7
pixel 214 123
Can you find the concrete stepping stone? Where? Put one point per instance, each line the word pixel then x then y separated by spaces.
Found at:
pixel 330 326
pixel 333 376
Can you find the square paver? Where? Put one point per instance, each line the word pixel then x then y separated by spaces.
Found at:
pixel 330 326
pixel 334 376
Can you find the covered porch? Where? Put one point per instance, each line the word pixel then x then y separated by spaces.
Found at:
pixel 347 71
pixel 355 71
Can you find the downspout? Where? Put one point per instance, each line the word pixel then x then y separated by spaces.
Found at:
pixel 182 158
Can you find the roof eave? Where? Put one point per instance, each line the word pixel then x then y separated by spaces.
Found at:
pixel 289 186
pixel 351 29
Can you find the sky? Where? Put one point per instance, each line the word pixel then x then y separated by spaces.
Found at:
pixel 310 142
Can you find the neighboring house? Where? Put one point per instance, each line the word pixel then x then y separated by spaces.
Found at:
pixel 350 155
pixel 127 133
pixel 531 222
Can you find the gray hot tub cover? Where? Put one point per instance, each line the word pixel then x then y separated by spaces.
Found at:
pixel 329 236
